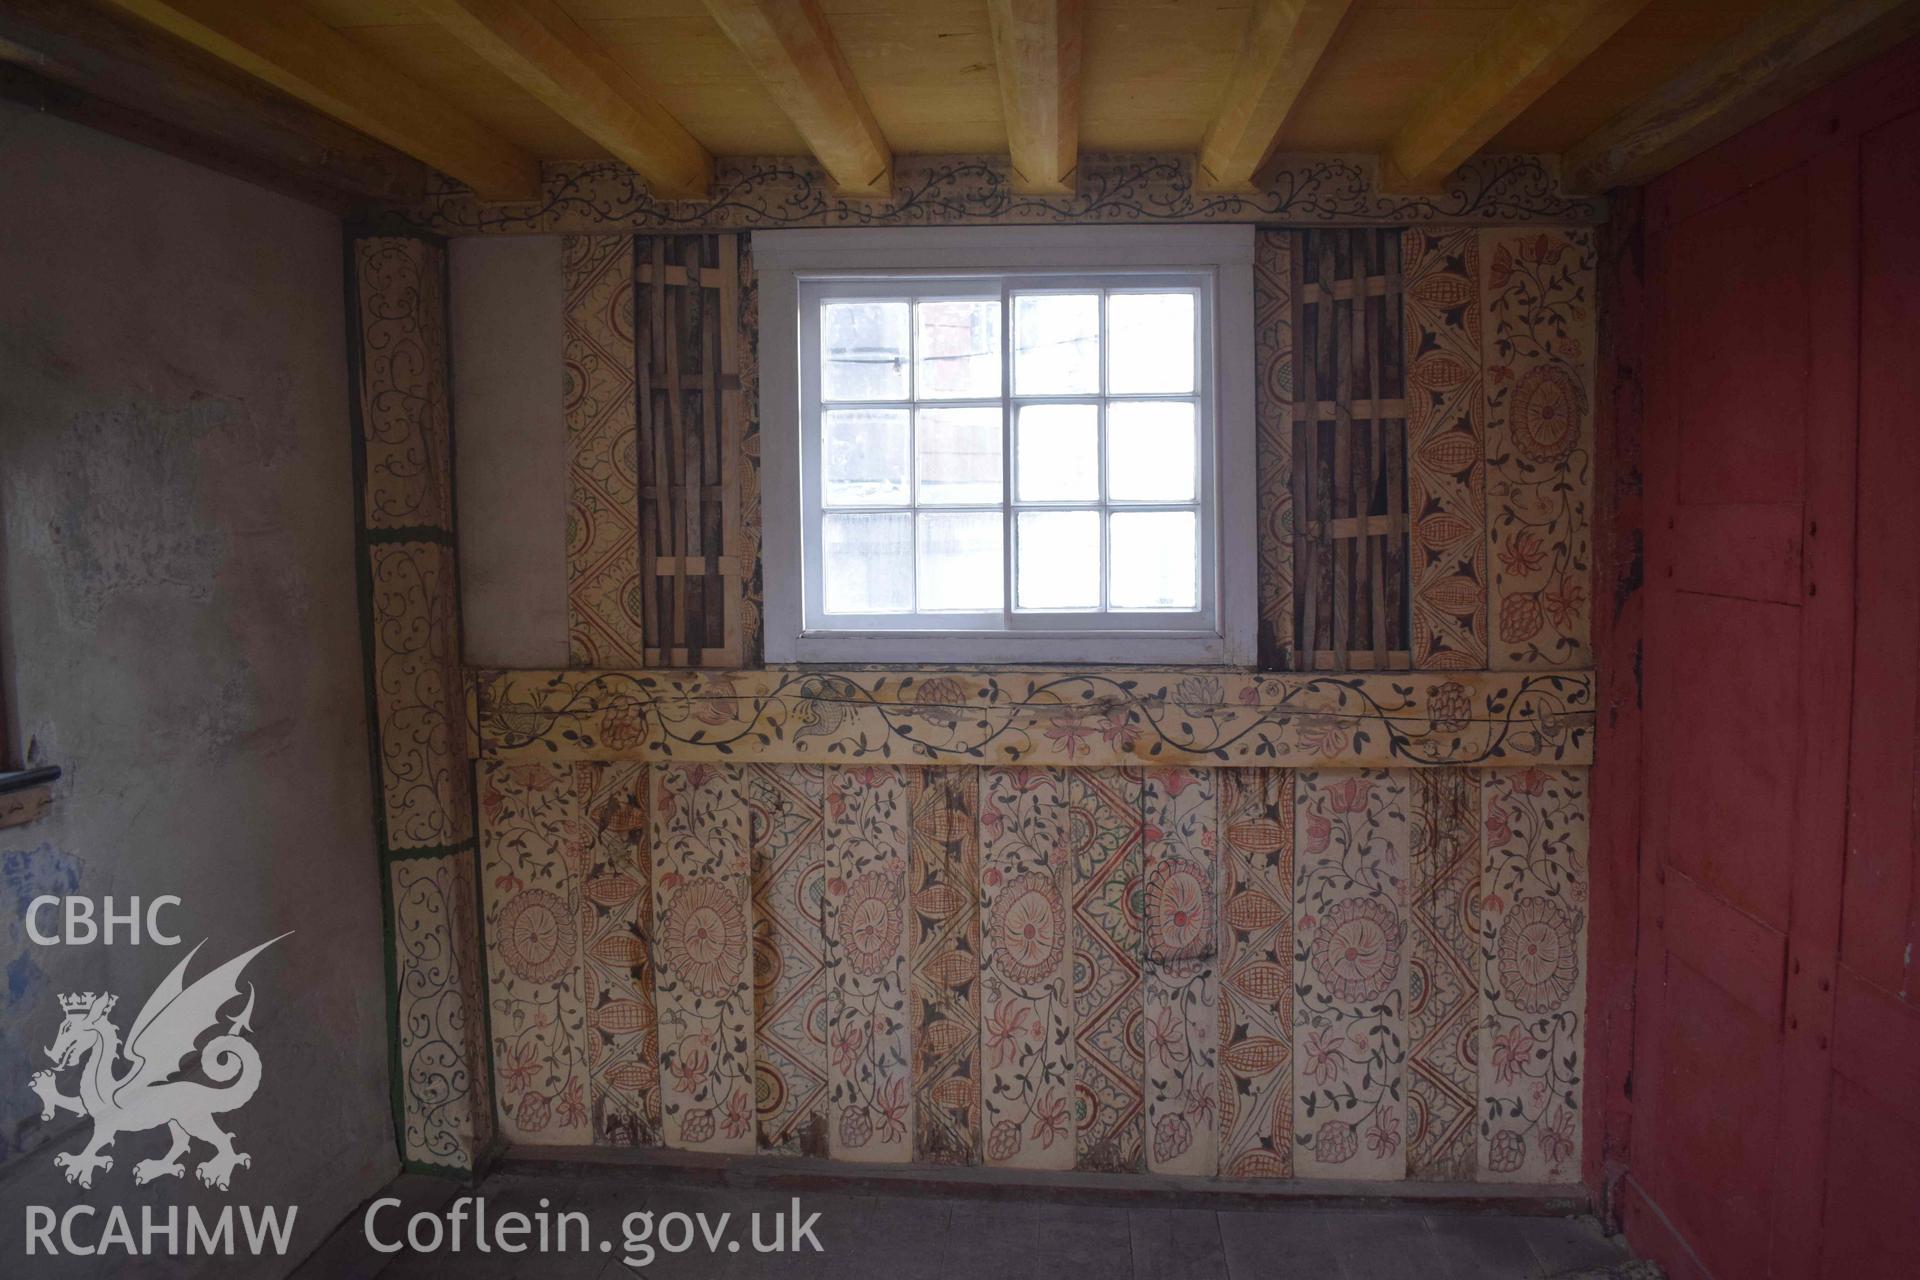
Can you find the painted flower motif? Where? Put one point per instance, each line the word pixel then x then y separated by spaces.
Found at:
pixel 1538 965
pixel 1319 833
pixel 690 1063
pixel 1448 707
pixel 1179 911
pixel 1070 734
pixel 1499 829
pixel 1351 795
pixel 1382 1139
pixel 536 1112
pixel 1545 413
pixel 1171 1137
pixel 1049 1119
pixel 537 936
pixel 941 691
pixel 1531 782
pixel 1520 618
pixel 856 1127
pixel 569 1108
pixel 1565 602
pixel 1027 929
pixel 1003 1143
pixel 521 1065
pixel 1199 695
pixel 698 1126
pixel 1119 731
pixel 1523 554
pixel 1325 1054
pixel 892 1101
pixel 1167 1038
pixel 1335 1142
pixel 623 728
pixel 718 704
pixel 847 1045
pixel 1512 1049
pixel 739 1114
pixel 1555 1139
pixel 1325 735
pixel 1356 950
pixel 704 942
pixel 1506 1152
pixel 1006 1027
pixel 870 923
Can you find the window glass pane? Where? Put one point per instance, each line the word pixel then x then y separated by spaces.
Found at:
pixel 1150 451
pixel 863 454
pixel 960 565
pixel 1056 343
pixel 1058 453
pixel 866 563
pixel 958 349
pixel 959 454
pixel 1059 560
pixel 1150 342
pixel 1155 560
pixel 863 351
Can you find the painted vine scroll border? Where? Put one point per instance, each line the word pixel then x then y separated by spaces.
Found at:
pixel 1058 717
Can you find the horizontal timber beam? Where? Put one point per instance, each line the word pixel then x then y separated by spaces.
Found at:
pixel 1785 53
pixel 1284 43
pixel 1533 48
pixel 114 73
pixel 792 50
pixel 1036 47
pixel 537 46
pixel 294 51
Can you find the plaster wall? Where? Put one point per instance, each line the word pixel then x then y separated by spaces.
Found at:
pixel 181 638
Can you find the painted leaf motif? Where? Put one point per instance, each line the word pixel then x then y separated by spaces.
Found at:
pixel 1254 1056
pixel 613 890
pixel 1450 452
pixel 1258 1164
pixel 945 825
pixel 633 1076
pixel 621 1017
pixel 1443 530
pixel 1257 837
pixel 1438 372
pixel 953 969
pixel 956 1091
pixel 1441 291
pixel 1261 981
pixel 942 1038
pixel 622 951
pixel 1453 595
pixel 940 902
pixel 1250 912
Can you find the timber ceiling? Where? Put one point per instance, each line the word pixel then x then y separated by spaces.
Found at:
pixel 486 89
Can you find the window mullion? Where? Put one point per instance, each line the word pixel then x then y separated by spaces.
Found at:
pixel 1006 455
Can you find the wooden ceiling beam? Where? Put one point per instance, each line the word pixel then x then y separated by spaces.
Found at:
pixel 121 76
pixel 289 48
pixel 536 45
pixel 1785 53
pixel 1036 46
pixel 792 50
pixel 1285 40
pixel 1533 48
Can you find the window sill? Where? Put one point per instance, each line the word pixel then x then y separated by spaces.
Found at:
pixel 1016 649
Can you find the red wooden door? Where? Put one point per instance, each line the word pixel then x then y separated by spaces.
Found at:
pixel 1748 435
pixel 1776 1069
pixel 1873 1144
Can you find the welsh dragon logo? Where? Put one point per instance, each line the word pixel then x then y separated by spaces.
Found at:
pixel 147 1095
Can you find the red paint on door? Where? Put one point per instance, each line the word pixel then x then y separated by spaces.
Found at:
pixel 1774 1096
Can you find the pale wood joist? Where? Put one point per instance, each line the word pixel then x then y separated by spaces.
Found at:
pixel 792 50
pixel 294 51
pixel 537 46
pixel 1036 47
pixel 1284 42
pixel 1783 54
pixel 1535 45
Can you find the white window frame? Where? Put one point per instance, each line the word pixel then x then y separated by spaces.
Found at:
pixel 1220 258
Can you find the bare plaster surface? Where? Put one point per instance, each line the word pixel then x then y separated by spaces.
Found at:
pixel 180 636
pixel 510 449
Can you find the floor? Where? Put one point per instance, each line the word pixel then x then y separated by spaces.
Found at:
pixel 908 1237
